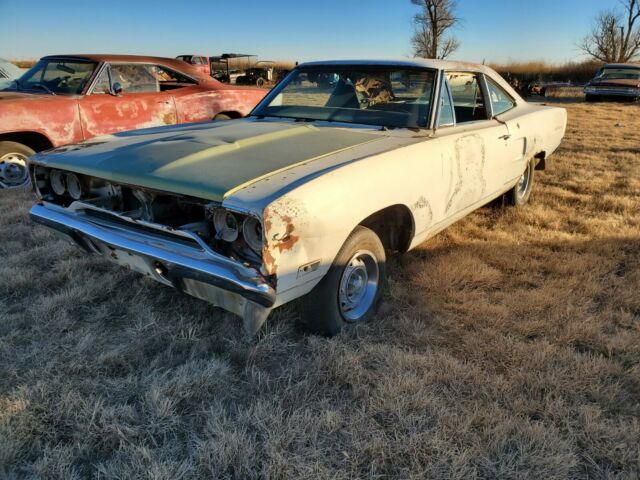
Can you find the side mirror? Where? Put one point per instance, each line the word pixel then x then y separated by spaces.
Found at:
pixel 117 89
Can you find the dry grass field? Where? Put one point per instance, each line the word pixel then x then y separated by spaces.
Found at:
pixel 507 347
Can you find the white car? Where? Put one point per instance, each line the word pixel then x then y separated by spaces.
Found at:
pixel 342 163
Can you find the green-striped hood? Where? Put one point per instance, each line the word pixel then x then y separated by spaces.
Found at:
pixel 205 160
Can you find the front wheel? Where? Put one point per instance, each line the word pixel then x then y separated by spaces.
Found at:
pixel 13 164
pixel 520 193
pixel 351 290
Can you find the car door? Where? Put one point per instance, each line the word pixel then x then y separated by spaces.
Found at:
pixel 515 142
pixel 471 143
pixel 125 96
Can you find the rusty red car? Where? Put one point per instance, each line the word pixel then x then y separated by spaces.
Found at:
pixel 66 99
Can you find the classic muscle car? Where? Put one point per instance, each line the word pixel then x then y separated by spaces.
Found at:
pixel 615 81
pixel 310 193
pixel 65 99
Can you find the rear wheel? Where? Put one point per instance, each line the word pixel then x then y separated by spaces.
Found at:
pixel 520 193
pixel 13 164
pixel 221 116
pixel 261 82
pixel 351 290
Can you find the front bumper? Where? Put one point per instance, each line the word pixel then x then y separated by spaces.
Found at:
pixel 181 261
pixel 612 92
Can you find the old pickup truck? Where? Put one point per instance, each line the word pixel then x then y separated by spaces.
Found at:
pixel 65 99
pixel 310 193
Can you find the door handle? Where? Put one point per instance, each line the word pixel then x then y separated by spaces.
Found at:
pixel 166 102
pixel 505 137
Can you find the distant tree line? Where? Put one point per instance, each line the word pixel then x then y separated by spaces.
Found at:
pixel 615 36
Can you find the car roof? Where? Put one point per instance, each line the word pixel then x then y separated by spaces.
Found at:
pixel 169 62
pixel 408 62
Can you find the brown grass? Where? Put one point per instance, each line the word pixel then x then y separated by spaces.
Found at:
pixel 24 63
pixel 544 71
pixel 508 347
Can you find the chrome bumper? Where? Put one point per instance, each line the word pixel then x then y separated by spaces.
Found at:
pixel 189 266
pixel 612 92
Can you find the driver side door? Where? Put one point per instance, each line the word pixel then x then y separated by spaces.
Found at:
pixel 141 104
pixel 472 143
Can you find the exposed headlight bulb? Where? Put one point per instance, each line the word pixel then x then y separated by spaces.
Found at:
pixel 58 182
pixel 74 186
pixel 252 233
pixel 226 225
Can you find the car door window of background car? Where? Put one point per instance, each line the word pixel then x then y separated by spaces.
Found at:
pixel 102 83
pixel 446 116
pixel 468 99
pixel 169 79
pixel 500 100
pixel 134 78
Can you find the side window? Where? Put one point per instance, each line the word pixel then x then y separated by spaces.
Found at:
pixel 135 78
pixel 102 84
pixel 468 99
pixel 500 100
pixel 446 116
pixel 196 60
pixel 169 79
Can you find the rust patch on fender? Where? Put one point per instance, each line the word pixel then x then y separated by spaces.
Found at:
pixel 269 262
pixel 281 233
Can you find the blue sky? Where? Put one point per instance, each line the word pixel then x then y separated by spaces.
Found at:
pixel 495 30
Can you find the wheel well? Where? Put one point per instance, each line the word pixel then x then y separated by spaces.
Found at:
pixel 394 225
pixel 33 140
pixel 230 114
pixel 541 164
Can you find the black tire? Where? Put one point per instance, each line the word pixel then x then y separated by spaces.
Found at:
pixel 321 309
pixel 16 154
pixel 591 98
pixel 260 82
pixel 221 116
pixel 520 193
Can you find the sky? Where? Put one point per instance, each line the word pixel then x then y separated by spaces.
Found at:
pixel 296 30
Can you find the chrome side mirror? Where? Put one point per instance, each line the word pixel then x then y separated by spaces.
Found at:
pixel 117 89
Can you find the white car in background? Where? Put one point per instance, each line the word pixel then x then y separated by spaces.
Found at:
pixel 340 164
pixel 8 73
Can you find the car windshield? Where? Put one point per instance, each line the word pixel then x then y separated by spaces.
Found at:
pixel 394 97
pixel 56 76
pixel 620 73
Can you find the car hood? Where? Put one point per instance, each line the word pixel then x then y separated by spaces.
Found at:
pixel 205 160
pixel 613 82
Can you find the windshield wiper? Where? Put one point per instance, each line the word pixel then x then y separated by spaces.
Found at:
pixel 43 87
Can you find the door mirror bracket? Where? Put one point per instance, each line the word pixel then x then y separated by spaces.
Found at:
pixel 116 89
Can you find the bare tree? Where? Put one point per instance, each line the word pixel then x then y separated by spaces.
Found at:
pixel 615 37
pixel 436 18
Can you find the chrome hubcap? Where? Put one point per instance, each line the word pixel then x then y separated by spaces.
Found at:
pixel 523 183
pixel 358 285
pixel 13 170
